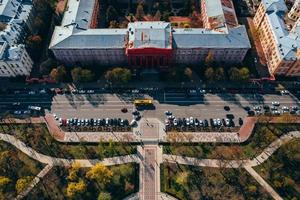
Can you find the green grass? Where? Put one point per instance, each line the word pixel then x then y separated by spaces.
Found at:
pixel 262 136
pixel 124 183
pixel 282 170
pixel 38 137
pixel 209 183
pixel 14 165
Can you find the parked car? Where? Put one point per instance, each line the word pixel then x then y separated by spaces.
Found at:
pixel 284 92
pixel 275 103
pixel 226 108
pixel 241 121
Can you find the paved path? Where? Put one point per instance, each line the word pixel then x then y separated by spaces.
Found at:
pixel 247 164
pixel 62 161
pixel 34 182
pixel 263 183
pixel 266 153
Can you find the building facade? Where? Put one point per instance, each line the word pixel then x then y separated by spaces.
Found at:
pixel 280 45
pixel 294 13
pixel 16 16
pixel 148 44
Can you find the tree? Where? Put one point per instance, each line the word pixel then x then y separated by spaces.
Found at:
pixel 219 74
pixel 23 183
pixel 118 75
pixel 244 74
pixel 2 26
pixel 81 75
pixel 111 14
pixel 182 178
pixel 34 41
pixel 73 172
pixel 100 173
pixel 113 24
pixel 139 15
pixel 209 59
pixel 234 74
pixel 4 181
pixel 209 74
pixel 58 74
pixel 104 196
pixel 86 75
pixel 188 72
pixel 157 16
pixel 75 189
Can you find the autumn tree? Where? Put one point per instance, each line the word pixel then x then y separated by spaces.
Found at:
pixel 182 178
pixel 23 183
pixel 139 15
pixel 58 74
pixel 34 41
pixel 4 181
pixel 111 14
pixel 104 196
pixel 219 74
pixel 234 74
pixel 2 26
pixel 75 189
pixel 74 171
pixel 209 59
pixel 244 74
pixel 100 173
pixel 81 75
pixel 209 74
pixel 157 16
pixel 118 75
pixel 188 72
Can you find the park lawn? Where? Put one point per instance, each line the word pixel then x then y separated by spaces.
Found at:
pixel 14 165
pixel 38 137
pixel 192 183
pixel 263 135
pixel 282 170
pixel 53 186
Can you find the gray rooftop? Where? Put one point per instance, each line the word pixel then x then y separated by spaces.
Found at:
pixel 75 33
pixel 288 42
pixel 149 34
pixel 202 38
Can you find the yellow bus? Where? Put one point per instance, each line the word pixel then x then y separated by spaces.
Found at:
pixel 143 102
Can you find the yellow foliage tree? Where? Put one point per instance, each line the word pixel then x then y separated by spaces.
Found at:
pixel 73 171
pixel 74 189
pixel 3 182
pixel 100 173
pixel 22 183
pixel 182 178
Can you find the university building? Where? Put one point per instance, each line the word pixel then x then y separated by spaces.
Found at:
pixel 281 46
pixel 78 42
pixel 16 18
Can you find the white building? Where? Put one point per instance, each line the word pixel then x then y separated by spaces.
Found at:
pixel 17 16
pixel 294 13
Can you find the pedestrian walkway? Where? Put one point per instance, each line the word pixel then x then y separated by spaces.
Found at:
pixel 263 183
pixel 34 182
pixel 151 158
pixel 62 161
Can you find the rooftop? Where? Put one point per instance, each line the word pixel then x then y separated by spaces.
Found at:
pixel 288 43
pixel 74 31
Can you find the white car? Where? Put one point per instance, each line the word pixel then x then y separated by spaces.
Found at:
pixel 284 92
pixel 55 116
pixel 276 112
pixel 175 122
pixel 17 112
pixel 31 92
pixel 275 103
pixel 257 108
pixel 285 108
pixel 191 120
pixel 133 123
pixel 90 91
pixel 43 91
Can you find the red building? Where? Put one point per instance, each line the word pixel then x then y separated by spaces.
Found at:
pixel 149 44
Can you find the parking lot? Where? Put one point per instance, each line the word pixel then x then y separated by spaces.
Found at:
pixel 88 104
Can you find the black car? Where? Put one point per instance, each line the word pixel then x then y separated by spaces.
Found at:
pixel 206 123
pixel 241 121
pixel 247 108
pixel 230 116
pixel 251 113
pixel 226 108
pixel 266 107
pixel 211 122
pixel 126 122
pixel 115 122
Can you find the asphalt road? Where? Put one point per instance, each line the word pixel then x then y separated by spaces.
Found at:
pixel 110 105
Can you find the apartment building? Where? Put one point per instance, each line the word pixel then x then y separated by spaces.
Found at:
pixel 294 13
pixel 16 18
pixel 280 45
